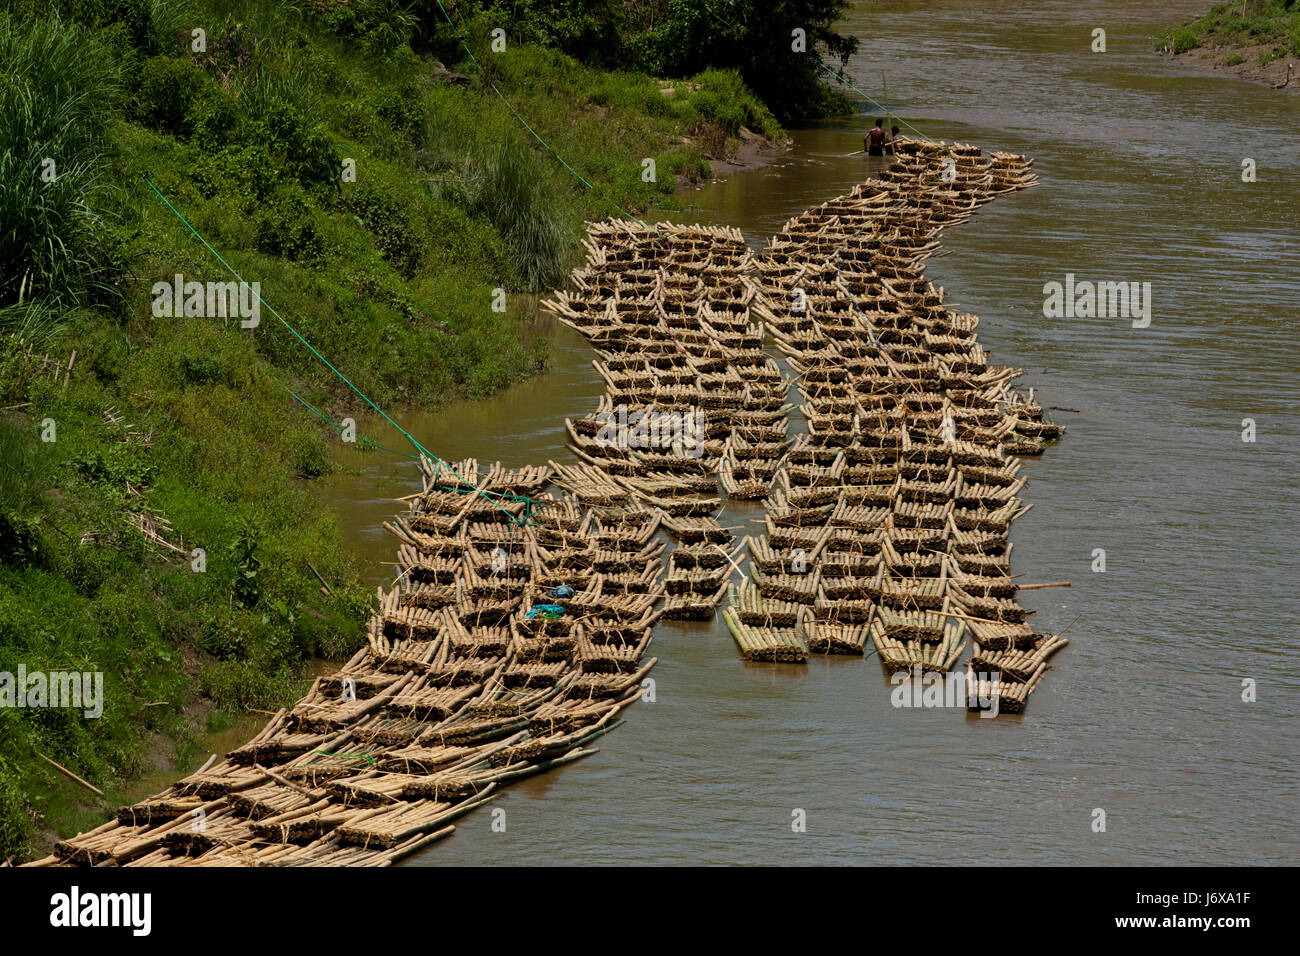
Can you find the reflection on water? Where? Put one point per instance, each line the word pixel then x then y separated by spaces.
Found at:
pixel 1139 159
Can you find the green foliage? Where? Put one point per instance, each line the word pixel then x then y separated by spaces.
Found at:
pixel 165 94
pixel 57 94
pixel 517 199
pixel 148 27
pixel 15 823
pixel 683 37
pixel 32 322
pixel 1237 24
pixel 285 227
pixel 382 26
pixel 396 238
pixel 1184 39
pixel 243 556
pixel 20 543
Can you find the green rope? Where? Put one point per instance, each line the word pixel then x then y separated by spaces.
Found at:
pixel 839 77
pixel 424 452
pixel 370 443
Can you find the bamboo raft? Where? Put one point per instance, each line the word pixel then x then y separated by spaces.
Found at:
pixel 902 492
pixel 766 643
pixel 457 692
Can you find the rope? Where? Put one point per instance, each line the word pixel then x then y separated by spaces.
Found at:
pixel 840 78
pixel 361 439
pixel 577 175
pixel 424 453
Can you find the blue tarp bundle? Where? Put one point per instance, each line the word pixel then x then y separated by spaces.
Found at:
pixel 548 611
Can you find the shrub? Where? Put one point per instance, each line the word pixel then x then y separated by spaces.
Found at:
pixel 199 368
pixel 518 199
pixel 15 823
pixel 395 237
pixel 285 227
pixel 1184 39
pixel 166 92
pixel 20 542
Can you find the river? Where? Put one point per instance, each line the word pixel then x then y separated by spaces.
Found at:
pixel 1142 716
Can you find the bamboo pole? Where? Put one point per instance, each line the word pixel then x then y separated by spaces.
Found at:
pixel 69 773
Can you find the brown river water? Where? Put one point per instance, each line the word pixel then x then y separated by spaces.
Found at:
pixel 1139 159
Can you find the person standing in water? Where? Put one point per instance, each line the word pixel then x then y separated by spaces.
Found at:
pixel 874 141
pixel 889 143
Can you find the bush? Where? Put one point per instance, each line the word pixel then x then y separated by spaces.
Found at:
pixel 20 542
pixel 166 92
pixel 15 823
pixel 395 237
pixel 1184 39
pixel 286 228
pixel 199 368
pixel 518 199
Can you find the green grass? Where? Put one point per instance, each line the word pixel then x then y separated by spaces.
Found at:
pixel 54 162
pixel 81 590
pixel 1237 25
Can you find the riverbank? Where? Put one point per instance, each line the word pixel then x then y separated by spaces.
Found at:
pixel 1258 40
pixel 160 522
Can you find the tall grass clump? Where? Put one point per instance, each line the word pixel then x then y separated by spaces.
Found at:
pixel 32 322
pixel 518 199
pixel 58 91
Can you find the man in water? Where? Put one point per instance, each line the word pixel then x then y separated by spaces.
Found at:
pixel 889 143
pixel 874 141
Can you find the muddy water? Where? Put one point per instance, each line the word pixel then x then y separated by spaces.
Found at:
pixel 1142 716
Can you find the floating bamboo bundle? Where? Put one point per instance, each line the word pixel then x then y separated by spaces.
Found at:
pixel 695 529
pixel 1019 664
pixel 1011 696
pixel 904 655
pixel 693 605
pixel 826 638
pixel 752 607
pixel 798 588
pixel 765 643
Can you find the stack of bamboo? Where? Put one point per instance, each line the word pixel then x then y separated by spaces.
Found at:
pixel 894 508
pixel 457 692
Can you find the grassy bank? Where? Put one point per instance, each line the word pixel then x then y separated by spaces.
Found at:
pixel 1257 39
pixel 158 520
